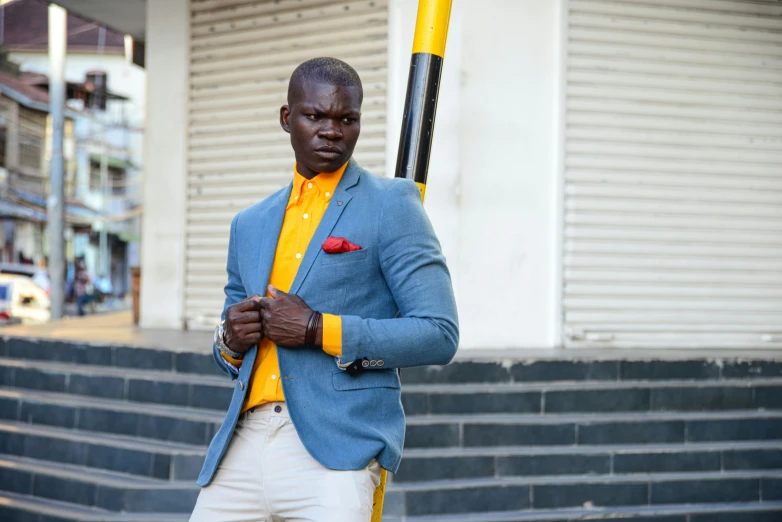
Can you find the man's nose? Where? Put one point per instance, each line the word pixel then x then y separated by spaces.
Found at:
pixel 330 130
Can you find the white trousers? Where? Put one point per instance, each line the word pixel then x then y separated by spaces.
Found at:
pixel 267 476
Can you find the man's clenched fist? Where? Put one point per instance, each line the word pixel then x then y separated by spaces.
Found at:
pixel 285 317
pixel 243 326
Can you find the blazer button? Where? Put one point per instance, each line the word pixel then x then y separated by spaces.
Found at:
pixel 373 363
pixel 365 363
pixel 241 385
pixel 380 363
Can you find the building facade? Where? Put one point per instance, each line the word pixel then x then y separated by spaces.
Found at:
pixel 605 174
pixel 106 96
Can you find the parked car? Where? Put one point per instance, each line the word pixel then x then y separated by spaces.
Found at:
pixel 22 301
pixel 39 275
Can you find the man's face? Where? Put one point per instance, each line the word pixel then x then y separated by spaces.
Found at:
pixel 324 123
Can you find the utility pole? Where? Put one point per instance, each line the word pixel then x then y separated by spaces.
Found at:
pixel 102 112
pixel 56 201
pixel 423 88
pixel 415 142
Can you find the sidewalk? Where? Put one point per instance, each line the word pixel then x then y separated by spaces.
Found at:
pixel 113 328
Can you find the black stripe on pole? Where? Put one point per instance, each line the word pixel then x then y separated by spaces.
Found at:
pixel 415 143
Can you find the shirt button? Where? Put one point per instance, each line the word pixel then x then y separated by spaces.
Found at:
pixel 309 185
pixel 298 256
pixel 306 216
pixel 327 194
pixel 296 198
pixel 274 377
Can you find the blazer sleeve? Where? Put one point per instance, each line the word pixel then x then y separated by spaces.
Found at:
pixel 234 292
pixel 426 330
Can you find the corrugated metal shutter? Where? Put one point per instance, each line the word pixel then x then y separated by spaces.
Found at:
pixel 673 174
pixel 241 56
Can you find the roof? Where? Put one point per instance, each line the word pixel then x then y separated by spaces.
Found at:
pixel 21 91
pixel 10 209
pixel 74 88
pixel 32 90
pixel 75 213
pixel 26 28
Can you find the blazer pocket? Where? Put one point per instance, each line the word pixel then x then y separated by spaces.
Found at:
pixel 343 381
pixel 346 257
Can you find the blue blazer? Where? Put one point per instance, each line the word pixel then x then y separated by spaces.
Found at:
pixel 397 306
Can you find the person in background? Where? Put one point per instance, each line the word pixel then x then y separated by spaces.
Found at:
pixel 82 285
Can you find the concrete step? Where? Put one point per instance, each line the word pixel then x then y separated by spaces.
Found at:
pixel 24 508
pixel 197 426
pixel 523 461
pixel 111 491
pixel 107 355
pixel 557 492
pixel 593 396
pixel 108 382
pixel 104 451
pixel 200 391
pixel 153 421
pixel 461 371
pixel 438 431
pixel 696 512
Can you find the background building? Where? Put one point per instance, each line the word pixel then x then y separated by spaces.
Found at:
pixel 106 96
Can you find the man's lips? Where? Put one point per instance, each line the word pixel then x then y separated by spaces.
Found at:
pixel 328 152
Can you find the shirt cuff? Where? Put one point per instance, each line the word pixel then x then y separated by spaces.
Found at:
pixel 234 363
pixel 332 335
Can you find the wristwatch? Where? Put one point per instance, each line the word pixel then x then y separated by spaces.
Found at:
pixel 219 341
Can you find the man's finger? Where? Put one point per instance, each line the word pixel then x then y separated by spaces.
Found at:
pixel 248 329
pixel 265 302
pixel 245 305
pixel 250 316
pixel 276 293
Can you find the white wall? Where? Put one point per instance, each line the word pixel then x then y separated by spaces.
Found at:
pixel 493 191
pixel 163 225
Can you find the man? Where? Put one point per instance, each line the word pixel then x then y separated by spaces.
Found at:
pixel 356 287
pixel 82 286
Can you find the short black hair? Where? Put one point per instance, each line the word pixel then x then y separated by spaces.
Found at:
pixel 325 70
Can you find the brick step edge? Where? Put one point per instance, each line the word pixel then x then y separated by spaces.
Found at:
pixel 20 507
pixel 460 371
pixel 676 513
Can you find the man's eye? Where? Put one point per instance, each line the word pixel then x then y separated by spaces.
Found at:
pixel 348 121
pixel 312 117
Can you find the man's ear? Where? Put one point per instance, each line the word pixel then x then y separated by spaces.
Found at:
pixel 285 112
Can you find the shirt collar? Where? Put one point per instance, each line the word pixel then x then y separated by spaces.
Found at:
pixel 325 181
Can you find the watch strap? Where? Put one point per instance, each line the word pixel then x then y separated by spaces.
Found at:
pixel 219 341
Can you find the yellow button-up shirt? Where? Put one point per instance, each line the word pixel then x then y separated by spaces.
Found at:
pixel 306 206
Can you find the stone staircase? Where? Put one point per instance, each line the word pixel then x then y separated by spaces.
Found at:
pixel 102 433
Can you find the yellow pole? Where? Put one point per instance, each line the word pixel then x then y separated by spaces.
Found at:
pixel 415 143
pixel 423 87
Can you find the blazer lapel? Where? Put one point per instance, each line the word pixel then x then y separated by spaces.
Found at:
pixel 269 236
pixel 327 223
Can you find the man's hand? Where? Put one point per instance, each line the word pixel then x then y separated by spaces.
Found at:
pixel 285 317
pixel 243 327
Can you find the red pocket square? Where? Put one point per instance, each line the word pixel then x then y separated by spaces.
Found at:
pixel 338 245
